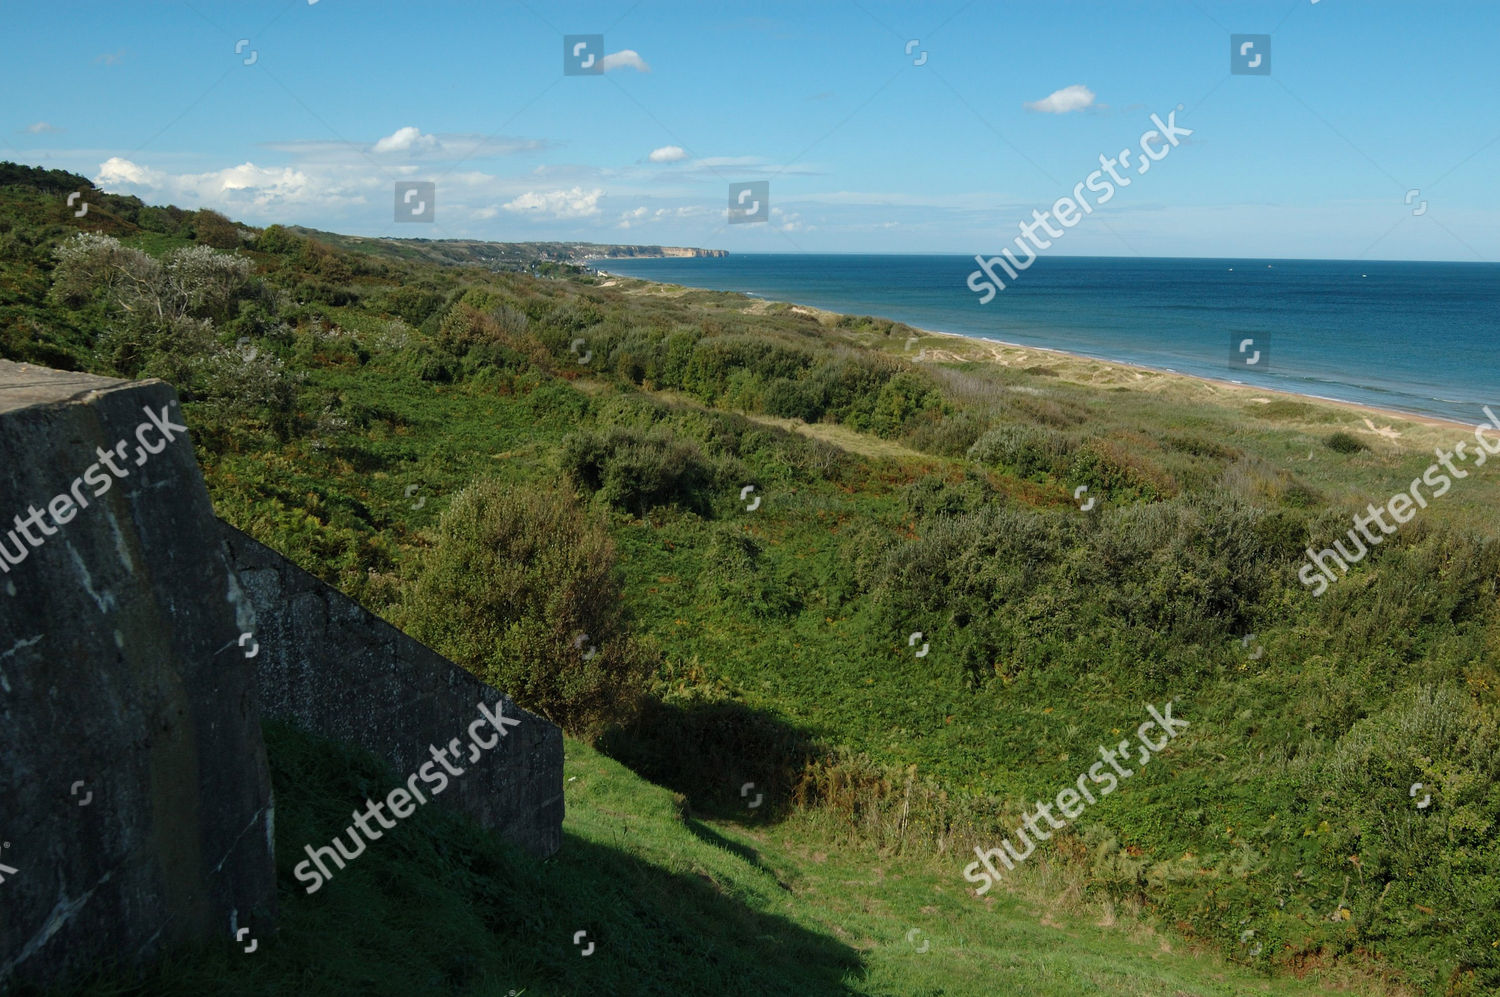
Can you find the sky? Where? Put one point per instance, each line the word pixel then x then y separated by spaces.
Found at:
pixel 879 127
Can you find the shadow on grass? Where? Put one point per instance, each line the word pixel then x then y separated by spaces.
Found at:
pixel 744 853
pixel 440 906
pixel 731 761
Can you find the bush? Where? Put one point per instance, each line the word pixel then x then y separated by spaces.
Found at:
pixel 1443 858
pixel 1026 450
pixel 899 401
pixel 520 589
pixel 1342 442
pixel 214 230
pixel 788 399
pixel 851 384
pixel 1114 467
pixel 193 281
pixel 946 435
pixel 738 570
pixel 635 470
pixel 414 305
pixel 276 239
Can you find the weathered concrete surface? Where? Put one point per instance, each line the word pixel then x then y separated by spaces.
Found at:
pixel 330 667
pixel 135 802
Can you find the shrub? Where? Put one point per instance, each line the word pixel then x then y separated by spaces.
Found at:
pixel 932 495
pixel 414 305
pixel 851 383
pixel 93 267
pixel 193 281
pixel 738 570
pixel 899 401
pixel 1026 450
pixel 946 435
pixel 1342 442
pixel 238 389
pixel 788 399
pixel 276 239
pixel 1112 466
pixel 521 590
pixel 1435 741
pixel 214 230
pixel 635 470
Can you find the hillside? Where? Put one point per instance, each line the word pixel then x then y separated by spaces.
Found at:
pixel 670 904
pixel 495 255
pixel 748 511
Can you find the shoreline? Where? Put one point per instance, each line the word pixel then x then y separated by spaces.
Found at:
pixel 1416 418
pixel 976 343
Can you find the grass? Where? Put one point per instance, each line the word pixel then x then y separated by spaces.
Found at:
pixel 671 903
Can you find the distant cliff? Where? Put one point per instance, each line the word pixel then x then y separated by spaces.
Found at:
pixel 496 255
pixel 626 252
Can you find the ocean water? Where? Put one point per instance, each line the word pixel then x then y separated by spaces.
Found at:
pixel 1419 337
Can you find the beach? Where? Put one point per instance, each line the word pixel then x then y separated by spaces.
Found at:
pixel 1396 429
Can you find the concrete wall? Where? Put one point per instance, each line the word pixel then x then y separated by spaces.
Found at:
pixel 135 803
pixel 140 641
pixel 328 666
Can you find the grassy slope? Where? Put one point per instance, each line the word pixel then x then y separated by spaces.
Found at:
pixel 673 905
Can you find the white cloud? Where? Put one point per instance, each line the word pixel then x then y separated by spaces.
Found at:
pixel 714 167
pixel 409 143
pixel 688 211
pixel 668 154
pixel 956 200
pixel 713 162
pixel 233 189
pixel 41 127
pixel 575 203
pixel 626 217
pixel 349 196
pixel 626 57
pixel 408 139
pixel 787 221
pixel 1073 98
pixel 115 170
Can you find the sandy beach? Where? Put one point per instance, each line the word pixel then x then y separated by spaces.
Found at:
pixel 1009 354
pixel 1371 423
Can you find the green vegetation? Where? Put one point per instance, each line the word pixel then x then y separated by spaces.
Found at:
pixel 1345 443
pixel 520 590
pixel 671 905
pixel 771 645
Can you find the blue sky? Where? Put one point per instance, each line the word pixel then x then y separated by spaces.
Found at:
pixel 865 149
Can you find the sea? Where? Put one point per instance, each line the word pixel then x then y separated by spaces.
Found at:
pixel 1421 338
